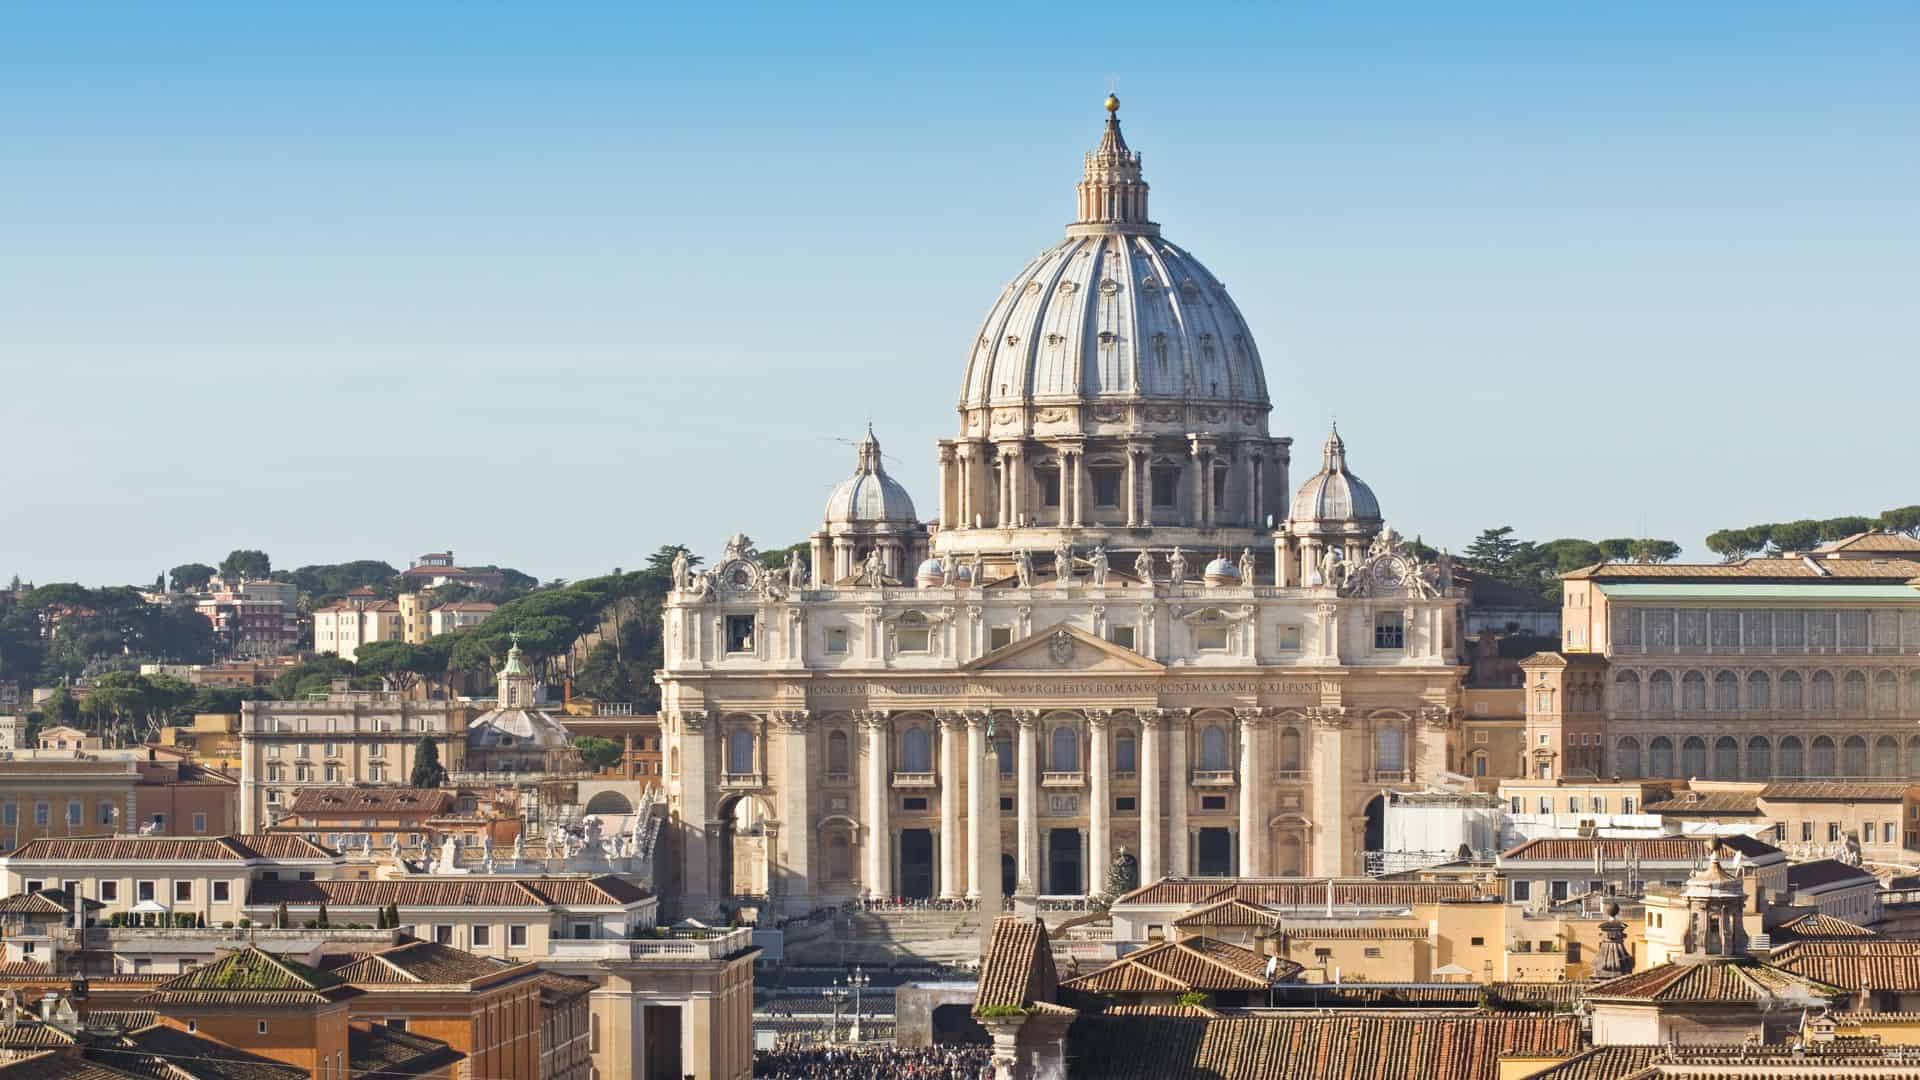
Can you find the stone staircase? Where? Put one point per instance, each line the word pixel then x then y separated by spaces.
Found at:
pixel 887 938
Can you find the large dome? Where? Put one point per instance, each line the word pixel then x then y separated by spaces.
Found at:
pixel 1114 313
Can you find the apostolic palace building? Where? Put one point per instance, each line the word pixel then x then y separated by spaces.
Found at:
pixel 1125 630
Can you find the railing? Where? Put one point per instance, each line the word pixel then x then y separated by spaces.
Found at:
pixel 1389 776
pixel 839 777
pixel 1062 779
pixel 913 780
pixel 465 777
pixel 717 946
pixel 1213 778
pixel 1289 775
pixel 1060 903
pixel 1126 777
pixel 743 780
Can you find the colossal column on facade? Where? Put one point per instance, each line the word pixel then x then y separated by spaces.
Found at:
pixel 879 838
pixel 1150 869
pixel 694 808
pixel 977 796
pixel 951 875
pixel 1253 722
pixel 1027 875
pixel 796 810
pixel 1329 790
pixel 1099 822
pixel 1179 864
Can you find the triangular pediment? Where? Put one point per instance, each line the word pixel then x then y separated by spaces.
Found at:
pixel 1062 647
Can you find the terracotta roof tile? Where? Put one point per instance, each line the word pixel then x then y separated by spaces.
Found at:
pixel 361 800
pixel 252 977
pixel 1195 964
pixel 171 848
pixel 1298 892
pixel 378 1051
pixel 1835 791
pixel 474 891
pixel 1883 965
pixel 1337 1047
pixel 1892 570
pixel 1743 982
pixel 1232 911
pixel 1676 849
pixel 1820 926
pixel 147 1052
pixel 416 962
pixel 1019 966
pixel 1707 802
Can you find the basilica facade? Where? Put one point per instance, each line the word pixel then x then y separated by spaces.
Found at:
pixel 1123 633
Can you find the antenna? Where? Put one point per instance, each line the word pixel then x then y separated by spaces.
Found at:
pixel 1113 83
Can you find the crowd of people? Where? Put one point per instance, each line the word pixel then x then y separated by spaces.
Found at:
pixel 874 1063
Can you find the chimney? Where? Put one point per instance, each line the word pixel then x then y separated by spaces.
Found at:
pixel 46 1006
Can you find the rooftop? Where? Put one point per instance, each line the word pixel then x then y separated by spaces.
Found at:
pixel 1194 964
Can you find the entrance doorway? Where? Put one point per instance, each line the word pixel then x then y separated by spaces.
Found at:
pixel 1063 862
pixel 1008 877
pixel 916 864
pixel 1376 838
pixel 1216 853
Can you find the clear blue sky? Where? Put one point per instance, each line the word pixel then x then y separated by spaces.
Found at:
pixel 556 284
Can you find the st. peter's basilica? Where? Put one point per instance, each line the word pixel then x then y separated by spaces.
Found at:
pixel 1117 635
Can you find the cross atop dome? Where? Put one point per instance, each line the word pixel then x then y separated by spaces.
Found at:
pixel 1111 190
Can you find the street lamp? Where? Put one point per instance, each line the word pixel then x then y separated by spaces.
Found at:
pixel 837 995
pixel 857 980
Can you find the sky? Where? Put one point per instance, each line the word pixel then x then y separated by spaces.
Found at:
pixel 553 285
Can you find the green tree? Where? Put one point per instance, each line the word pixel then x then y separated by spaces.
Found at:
pixel 427 770
pixel 661 561
pixel 1619 549
pixel 1904 519
pixel 598 752
pixel 1840 528
pixel 1802 535
pixel 403 663
pixel 1496 553
pixel 1655 551
pixel 1732 544
pixel 246 563
pixel 190 577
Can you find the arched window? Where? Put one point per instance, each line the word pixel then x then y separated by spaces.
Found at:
pixel 1480 763
pixel 1693 690
pixel 1626 692
pixel 1913 756
pixel 1003 752
pixel 1791 696
pixel 1822 694
pixel 1213 749
pixel 1126 752
pixel 1293 861
pixel 1389 748
pixel 1693 756
pixel 1759 691
pixel 1626 758
pixel 740 751
pixel 1886 694
pixel 1726 691
pixel 1065 755
pixel 1726 758
pixel 1759 759
pixel 1660 757
pixel 1856 699
pixel 838 759
pixel 1290 750
pixel 1886 756
pixel 916 751
pixel 1660 692
pixel 1853 756
pixel 1821 761
pixel 1793 763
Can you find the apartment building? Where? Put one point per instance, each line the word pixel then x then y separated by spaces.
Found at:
pixel 353 737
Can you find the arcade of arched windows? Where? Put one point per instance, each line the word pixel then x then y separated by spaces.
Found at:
pixel 1727 756
pixel 1861 692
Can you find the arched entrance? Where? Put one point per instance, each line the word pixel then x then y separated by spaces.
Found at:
pixel 1376 834
pixel 742 856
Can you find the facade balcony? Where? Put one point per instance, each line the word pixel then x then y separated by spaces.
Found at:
pixel 840 777
pixel 913 780
pixel 1213 778
pixel 1389 776
pixel 1062 779
pixel 1289 776
pixel 1126 777
pixel 682 947
pixel 742 781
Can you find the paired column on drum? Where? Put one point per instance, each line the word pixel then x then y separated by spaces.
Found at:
pixel 1100 800
pixel 879 835
pixel 951 874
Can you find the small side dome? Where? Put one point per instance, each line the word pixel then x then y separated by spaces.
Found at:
pixel 870 496
pixel 932 574
pixel 1334 499
pixel 1221 572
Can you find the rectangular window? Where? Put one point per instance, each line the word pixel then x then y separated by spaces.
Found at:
pixel 1210 638
pixel 1478 942
pixel 1106 487
pixel 1373 952
pixel 1573 952
pixel 1522 891
pixel 106 813
pixel 1213 802
pixel 1006 804
pixel 182 892
pixel 1573 804
pixel 1125 802
pixel 443 933
pixel 109 891
pixel 1389 631
pixel 200 823
pixel 482 936
pixel 1289 639
pixel 75 813
pixel 10 813
pixel 144 890
pixel 43 813
pixel 1546 804
pixel 740 633
pixel 222 892
pixel 999 637
pixel 836 641
pixel 1513 804
pixel 915 803
pixel 1050 487
pixel 1121 636
pixel 1806 832
pixel 1558 890
pixel 913 639
pixel 1166 485
pixel 34 885
pixel 1833 832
